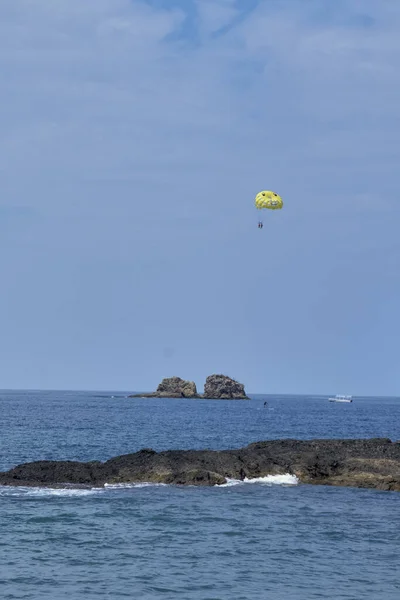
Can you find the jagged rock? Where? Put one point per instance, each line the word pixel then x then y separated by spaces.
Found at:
pixel 196 477
pixel 178 387
pixel 172 387
pixel 368 463
pixel 216 387
pixel 223 387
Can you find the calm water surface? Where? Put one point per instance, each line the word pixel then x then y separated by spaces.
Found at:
pixel 239 542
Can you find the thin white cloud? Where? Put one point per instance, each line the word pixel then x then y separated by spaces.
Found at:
pixel 215 14
pixel 94 91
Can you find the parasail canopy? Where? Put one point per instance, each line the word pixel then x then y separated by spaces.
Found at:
pixel 268 199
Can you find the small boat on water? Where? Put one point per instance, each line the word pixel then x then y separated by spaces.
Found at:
pixel 341 398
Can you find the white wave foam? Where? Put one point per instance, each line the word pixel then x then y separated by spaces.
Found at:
pixel 67 492
pixel 286 479
pixel 127 486
pixel 230 483
pixel 269 480
pixel 43 492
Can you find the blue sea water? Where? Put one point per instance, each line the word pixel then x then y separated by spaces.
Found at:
pixel 238 542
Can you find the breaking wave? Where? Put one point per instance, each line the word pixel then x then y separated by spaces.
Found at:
pixel 69 492
pixel 37 492
pixel 127 486
pixel 286 479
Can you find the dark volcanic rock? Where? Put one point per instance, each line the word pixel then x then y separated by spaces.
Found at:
pixel 172 387
pixel 223 387
pixel 371 463
pixel 50 472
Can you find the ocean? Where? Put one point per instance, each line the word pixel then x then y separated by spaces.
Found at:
pixel 266 539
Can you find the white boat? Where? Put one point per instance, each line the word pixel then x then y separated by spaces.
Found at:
pixel 341 398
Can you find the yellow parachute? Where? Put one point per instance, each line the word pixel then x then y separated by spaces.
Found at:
pixel 268 199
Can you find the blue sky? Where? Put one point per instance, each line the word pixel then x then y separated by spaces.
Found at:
pixel 134 137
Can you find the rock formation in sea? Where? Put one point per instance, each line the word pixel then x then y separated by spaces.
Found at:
pixel 363 463
pixel 172 387
pixel 224 388
pixel 216 387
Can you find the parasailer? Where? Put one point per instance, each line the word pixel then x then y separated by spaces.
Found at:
pixel 267 199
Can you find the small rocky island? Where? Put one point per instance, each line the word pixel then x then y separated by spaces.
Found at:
pixel 217 387
pixel 172 387
pixel 368 463
pixel 224 388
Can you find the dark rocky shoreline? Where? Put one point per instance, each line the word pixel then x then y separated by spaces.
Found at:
pixel 362 463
